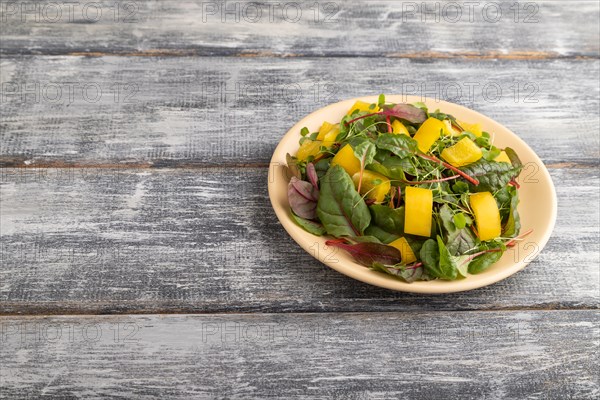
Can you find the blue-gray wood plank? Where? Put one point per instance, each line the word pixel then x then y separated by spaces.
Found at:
pixel 151 199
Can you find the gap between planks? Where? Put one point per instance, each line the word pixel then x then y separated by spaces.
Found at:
pixel 424 55
pixel 21 162
pixel 57 313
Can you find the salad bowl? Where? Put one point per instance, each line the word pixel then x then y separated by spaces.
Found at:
pixel 537 207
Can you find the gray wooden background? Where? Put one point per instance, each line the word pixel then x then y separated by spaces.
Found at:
pixel 140 255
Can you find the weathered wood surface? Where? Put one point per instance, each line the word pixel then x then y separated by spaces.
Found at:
pixel 207 240
pixel 438 355
pixel 164 111
pixel 541 29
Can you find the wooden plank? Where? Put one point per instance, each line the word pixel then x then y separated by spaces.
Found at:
pixel 206 240
pixel 541 29
pixel 542 354
pixel 168 111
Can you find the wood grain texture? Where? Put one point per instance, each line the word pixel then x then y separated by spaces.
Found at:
pixel 207 240
pixel 541 29
pixel 169 111
pixel 439 355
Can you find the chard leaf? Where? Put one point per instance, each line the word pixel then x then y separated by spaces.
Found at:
pixel 322 166
pixel 485 260
pixel 310 226
pixel 407 112
pixel 401 145
pixel 292 165
pixel 368 253
pixel 365 152
pixel 448 266
pixel 303 198
pixel 388 219
pixel 341 210
pixel 513 224
pixel 458 241
pixel 514 158
pixel 430 256
pixel 380 234
pixel 492 175
pixel 439 263
pixel 365 239
pixel 407 273
pixel 311 174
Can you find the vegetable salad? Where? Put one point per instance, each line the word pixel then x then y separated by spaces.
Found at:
pixel 406 191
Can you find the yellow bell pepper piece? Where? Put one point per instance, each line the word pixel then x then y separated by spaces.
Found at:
pixel 309 148
pixel 418 211
pixel 362 106
pixel 449 130
pixel 329 137
pixel 375 186
pixel 475 129
pixel 428 133
pixel 399 128
pixel 487 216
pixel 345 158
pixel 405 250
pixel 462 153
pixel 503 157
pixel 324 129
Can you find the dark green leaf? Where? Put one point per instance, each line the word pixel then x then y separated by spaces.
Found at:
pixel 460 187
pixel 322 166
pixel 484 261
pixel 401 145
pixel 430 256
pixel 492 175
pixel 383 236
pixel 514 158
pixel 341 209
pixel 513 224
pixel 448 267
pixel 458 240
pixel 389 219
pixel 310 226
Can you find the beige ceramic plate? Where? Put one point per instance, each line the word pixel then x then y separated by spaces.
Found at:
pixel 537 207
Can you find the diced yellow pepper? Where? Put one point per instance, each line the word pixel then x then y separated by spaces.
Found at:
pixel 462 153
pixel 399 128
pixel 362 106
pixel 375 186
pixel 405 250
pixel 324 129
pixel 503 157
pixel 329 137
pixel 449 130
pixel 309 148
pixel 475 129
pixel 346 159
pixel 418 211
pixel 487 216
pixel 428 133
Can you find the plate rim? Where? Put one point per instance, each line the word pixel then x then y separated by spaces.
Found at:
pixel 377 278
